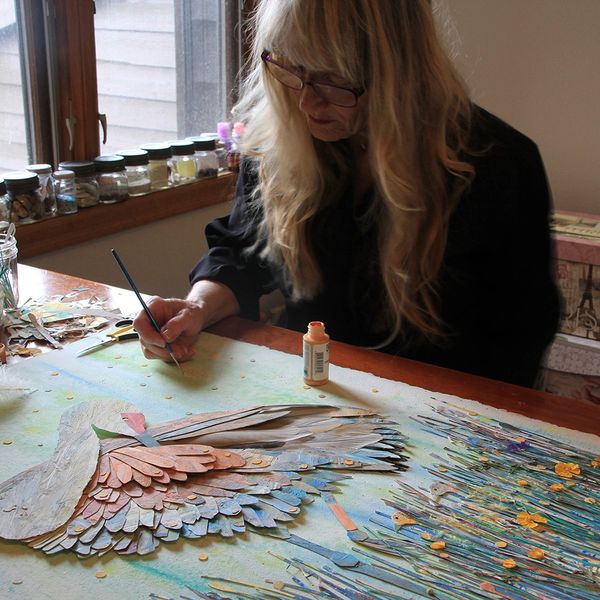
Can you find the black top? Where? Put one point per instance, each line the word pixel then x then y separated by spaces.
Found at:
pixel 496 290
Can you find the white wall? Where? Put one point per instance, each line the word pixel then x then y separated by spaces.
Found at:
pixel 158 256
pixel 536 64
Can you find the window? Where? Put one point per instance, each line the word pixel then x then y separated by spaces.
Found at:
pixel 156 70
pixel 14 153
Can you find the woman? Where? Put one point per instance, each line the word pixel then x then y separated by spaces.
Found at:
pixel 377 198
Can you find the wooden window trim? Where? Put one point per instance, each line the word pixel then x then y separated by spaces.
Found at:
pixel 104 219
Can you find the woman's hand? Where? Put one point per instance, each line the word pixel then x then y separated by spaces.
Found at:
pixel 181 321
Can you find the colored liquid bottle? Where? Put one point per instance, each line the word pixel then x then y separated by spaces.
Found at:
pixel 315 350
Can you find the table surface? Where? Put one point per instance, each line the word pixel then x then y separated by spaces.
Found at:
pixel 575 414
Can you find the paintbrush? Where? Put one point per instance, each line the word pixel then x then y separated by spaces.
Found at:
pixel 144 305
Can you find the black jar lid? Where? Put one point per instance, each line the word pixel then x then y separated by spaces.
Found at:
pixel 182 147
pixel 109 163
pixel 2 187
pixel 79 167
pixel 21 181
pixel 134 158
pixel 158 151
pixel 203 142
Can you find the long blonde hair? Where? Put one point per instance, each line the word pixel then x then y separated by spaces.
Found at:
pixel 416 125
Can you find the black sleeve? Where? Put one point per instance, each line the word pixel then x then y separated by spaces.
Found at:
pixel 512 299
pixel 228 260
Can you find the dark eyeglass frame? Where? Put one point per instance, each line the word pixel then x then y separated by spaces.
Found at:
pixel 267 58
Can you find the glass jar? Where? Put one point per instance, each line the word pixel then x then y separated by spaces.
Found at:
pixel 9 277
pixel 207 161
pixel 26 202
pixel 86 185
pixel 136 170
pixel 64 191
pixel 112 180
pixel 159 167
pixel 44 172
pixel 183 162
pixel 4 203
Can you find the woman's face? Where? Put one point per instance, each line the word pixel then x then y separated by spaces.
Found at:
pixel 328 122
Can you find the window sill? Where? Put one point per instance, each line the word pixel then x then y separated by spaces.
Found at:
pixel 101 220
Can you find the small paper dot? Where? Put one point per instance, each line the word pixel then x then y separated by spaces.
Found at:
pixel 202 556
pixel 7 441
pixel 54 373
pixel 35 410
pixel 100 574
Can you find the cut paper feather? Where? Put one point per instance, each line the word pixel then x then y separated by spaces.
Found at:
pixel 210 473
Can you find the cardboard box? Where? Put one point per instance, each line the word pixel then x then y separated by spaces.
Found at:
pixel 577 247
pixel 572 368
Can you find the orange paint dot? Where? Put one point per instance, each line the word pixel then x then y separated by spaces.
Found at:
pixel 444 555
pixel 509 564
pixel 483 459
pixel 192 497
pixel 400 520
pixel 442 469
pixel 202 556
pixel 426 536
pixel 567 470
pixel 438 545
pixel 100 574
pixel 536 553
pixel 348 461
pixel 523 482
pixel 501 544
pixel 304 466
pixel 556 487
pixel 257 461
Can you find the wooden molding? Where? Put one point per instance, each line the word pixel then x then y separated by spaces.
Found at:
pixel 104 219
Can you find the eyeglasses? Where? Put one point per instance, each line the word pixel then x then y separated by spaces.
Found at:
pixel 334 94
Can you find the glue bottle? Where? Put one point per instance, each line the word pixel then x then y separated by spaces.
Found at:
pixel 316 354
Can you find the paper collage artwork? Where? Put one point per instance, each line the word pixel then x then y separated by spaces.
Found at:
pixel 261 487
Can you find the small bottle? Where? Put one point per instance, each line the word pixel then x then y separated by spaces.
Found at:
pixel 9 277
pixel 4 203
pixel 26 202
pixel 136 169
pixel 44 173
pixel 112 180
pixel 86 185
pixel 159 165
pixel 64 191
pixel 315 350
pixel 183 162
pixel 207 162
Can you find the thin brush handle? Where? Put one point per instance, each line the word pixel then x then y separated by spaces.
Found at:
pixel 139 296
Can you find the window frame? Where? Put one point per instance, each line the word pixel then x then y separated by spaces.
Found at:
pixel 72 95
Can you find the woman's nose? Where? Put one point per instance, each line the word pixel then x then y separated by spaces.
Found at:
pixel 309 99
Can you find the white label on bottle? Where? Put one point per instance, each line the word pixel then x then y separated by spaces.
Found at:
pixel 316 361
